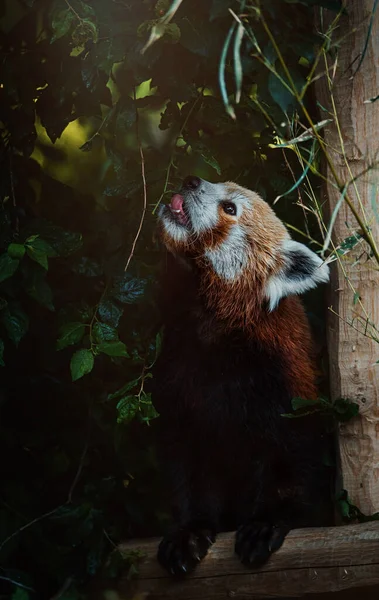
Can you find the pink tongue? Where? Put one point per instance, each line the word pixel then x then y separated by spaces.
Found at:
pixel 177 202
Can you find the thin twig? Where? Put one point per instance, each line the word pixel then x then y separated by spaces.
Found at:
pixel 17 583
pixel 171 163
pixel 366 232
pixel 80 468
pixel 66 586
pixel 54 510
pixel 73 11
pixel 33 522
pixel 144 190
pixel 143 210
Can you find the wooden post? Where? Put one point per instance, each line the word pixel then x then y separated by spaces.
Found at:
pixel 353 372
pixel 311 561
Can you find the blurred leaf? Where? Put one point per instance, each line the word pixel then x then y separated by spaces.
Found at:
pixel 220 8
pixel 37 287
pixel 81 364
pixel 16 323
pixel 60 241
pixel 279 93
pixel 87 267
pixel 20 594
pixel 113 349
pixel 298 403
pixel 70 333
pixel 16 251
pixel 8 266
pixel 126 116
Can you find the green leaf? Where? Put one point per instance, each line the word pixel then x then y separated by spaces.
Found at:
pixel 8 266
pixel 60 241
pixel 87 267
pixel 37 287
pixel 127 409
pixel 126 116
pixel 356 298
pixel 211 161
pixel 104 333
pixel 349 243
pixel 344 507
pixel 39 257
pixel 125 388
pixel 345 409
pixel 172 33
pixel 110 312
pixel 20 594
pixel 128 290
pixel 39 250
pixel 81 364
pixel 2 364
pixel 113 349
pixel 279 93
pixel 147 409
pixel 70 333
pixel 220 9
pixel 16 251
pixel 15 322
pixel 298 403
pixel 61 23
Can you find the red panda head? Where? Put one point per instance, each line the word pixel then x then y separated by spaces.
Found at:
pixel 241 247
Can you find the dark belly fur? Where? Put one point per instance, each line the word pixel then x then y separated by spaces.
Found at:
pixel 229 456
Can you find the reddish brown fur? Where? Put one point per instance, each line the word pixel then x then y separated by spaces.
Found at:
pixel 241 303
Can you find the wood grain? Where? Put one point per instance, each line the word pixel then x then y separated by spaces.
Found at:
pixel 353 372
pixel 310 561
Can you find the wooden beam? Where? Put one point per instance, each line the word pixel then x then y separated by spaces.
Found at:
pixel 310 561
pixel 355 287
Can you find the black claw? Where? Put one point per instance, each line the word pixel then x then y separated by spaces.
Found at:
pixel 181 552
pixel 256 541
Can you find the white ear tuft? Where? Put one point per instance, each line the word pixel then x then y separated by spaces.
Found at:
pixel 302 271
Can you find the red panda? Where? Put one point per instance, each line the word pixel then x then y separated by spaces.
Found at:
pixel 236 350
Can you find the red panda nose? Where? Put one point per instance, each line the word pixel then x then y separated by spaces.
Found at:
pixel 191 182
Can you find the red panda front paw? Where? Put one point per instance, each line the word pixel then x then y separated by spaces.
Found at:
pixel 256 541
pixel 180 552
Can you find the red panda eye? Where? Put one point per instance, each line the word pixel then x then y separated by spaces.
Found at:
pixel 229 208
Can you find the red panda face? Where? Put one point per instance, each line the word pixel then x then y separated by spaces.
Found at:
pixel 235 237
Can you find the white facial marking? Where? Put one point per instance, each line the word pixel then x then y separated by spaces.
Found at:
pixel 302 271
pixel 202 206
pixel 230 258
pixel 176 232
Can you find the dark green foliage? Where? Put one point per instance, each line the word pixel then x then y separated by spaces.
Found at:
pixel 351 513
pixel 339 411
pixel 78 335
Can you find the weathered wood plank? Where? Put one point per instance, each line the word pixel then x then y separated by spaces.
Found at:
pixel 353 372
pixel 310 561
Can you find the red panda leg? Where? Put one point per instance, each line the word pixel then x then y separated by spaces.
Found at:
pixel 256 541
pixel 181 551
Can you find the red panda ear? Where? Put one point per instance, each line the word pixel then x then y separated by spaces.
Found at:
pixel 302 270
